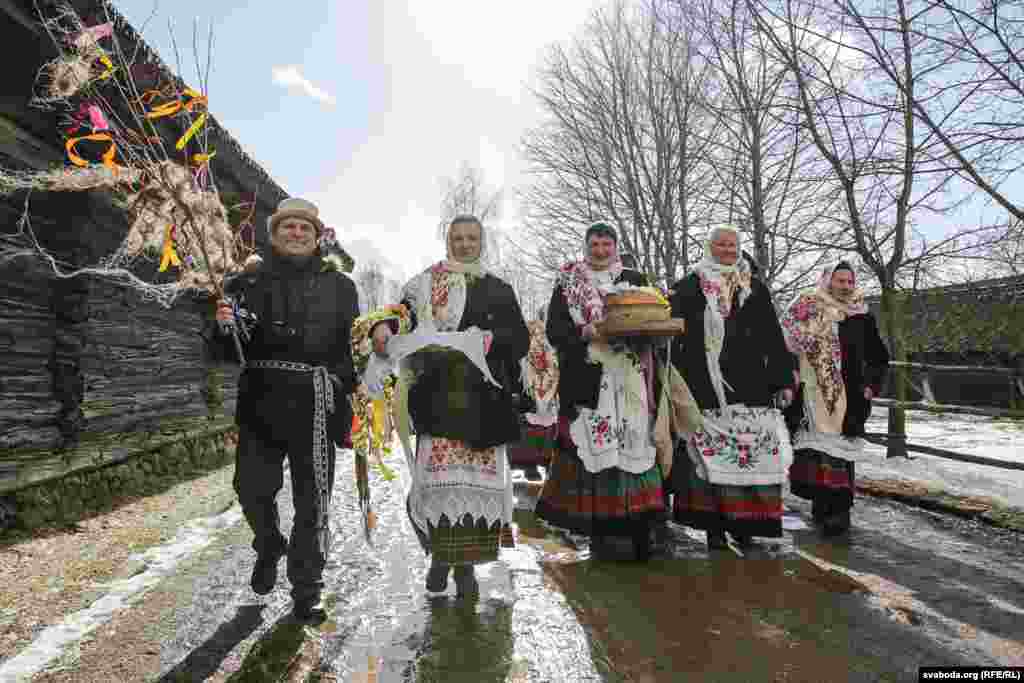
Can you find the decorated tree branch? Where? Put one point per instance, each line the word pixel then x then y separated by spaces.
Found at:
pixel 372 421
pixel 131 129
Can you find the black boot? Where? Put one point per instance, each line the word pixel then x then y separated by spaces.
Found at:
pixel 599 547
pixel 743 540
pixel 819 510
pixel 466 585
pixel 437 578
pixel 642 544
pixel 264 572
pixel 310 610
pixel 659 537
pixel 717 540
pixel 837 522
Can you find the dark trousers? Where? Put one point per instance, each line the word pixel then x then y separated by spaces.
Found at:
pixel 259 475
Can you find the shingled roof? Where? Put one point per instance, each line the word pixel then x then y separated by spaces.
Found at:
pixel 980 319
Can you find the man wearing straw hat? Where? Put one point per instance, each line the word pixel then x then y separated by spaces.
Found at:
pixel 292 396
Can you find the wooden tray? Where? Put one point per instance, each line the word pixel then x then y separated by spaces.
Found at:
pixel 661 328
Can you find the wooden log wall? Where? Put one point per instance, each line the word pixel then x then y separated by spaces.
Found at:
pixel 90 373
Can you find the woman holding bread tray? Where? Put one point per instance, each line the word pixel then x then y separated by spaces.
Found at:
pixel 606 475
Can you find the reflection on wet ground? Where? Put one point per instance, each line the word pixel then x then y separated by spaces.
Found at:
pixel 387 628
pixel 903 590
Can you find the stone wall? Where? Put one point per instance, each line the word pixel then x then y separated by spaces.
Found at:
pixel 85 492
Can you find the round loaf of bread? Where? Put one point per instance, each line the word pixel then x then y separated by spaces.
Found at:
pixel 634 308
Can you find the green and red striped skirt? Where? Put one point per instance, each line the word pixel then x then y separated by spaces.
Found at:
pixel 535 448
pixel 609 503
pixel 815 475
pixel 740 510
pixel 464 543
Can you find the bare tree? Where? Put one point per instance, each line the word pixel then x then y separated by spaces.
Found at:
pixel 970 88
pixel 467 193
pixel 767 177
pixel 854 81
pixel 619 143
pixel 374 289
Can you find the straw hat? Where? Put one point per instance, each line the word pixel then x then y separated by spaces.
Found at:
pixel 293 207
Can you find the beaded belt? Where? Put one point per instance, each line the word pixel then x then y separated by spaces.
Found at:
pixel 323 403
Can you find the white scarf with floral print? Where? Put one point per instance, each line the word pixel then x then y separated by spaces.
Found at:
pixel 719 284
pixel 619 433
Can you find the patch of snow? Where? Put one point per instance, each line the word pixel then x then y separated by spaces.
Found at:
pixel 968 434
pixel 160 562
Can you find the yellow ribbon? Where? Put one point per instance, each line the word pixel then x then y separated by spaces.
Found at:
pixel 169 108
pixel 107 63
pixel 107 158
pixel 170 257
pixel 379 408
pixel 190 133
pixel 200 159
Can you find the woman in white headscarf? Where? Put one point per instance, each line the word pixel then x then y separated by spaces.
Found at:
pixel 734 359
pixel 460 503
pixel 842 364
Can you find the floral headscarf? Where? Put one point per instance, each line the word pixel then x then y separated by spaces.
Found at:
pixel 855 305
pixel 579 280
pixel 810 326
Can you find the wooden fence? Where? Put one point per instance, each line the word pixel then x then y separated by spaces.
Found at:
pixel 896 443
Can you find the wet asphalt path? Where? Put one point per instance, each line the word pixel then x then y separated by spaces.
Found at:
pixel 906 588
pixel 383 622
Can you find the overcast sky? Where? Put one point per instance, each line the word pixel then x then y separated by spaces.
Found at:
pixel 366 106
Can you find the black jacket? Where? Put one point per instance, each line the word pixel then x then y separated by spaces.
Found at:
pixel 579 381
pixel 493 417
pixel 755 361
pixel 304 315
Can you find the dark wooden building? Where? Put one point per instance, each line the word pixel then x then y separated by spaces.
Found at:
pixel 972 324
pixel 90 373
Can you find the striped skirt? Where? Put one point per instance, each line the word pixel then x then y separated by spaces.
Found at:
pixel 612 502
pixel 815 475
pixel 464 543
pixel 740 510
pixel 535 448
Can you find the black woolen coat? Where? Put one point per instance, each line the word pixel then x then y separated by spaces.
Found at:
pixel 491 305
pixel 304 315
pixel 755 361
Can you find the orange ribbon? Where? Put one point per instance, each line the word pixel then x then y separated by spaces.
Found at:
pixel 108 156
pixel 200 159
pixel 194 100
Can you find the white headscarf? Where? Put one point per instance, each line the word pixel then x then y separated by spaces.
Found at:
pixel 719 282
pixel 475 267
